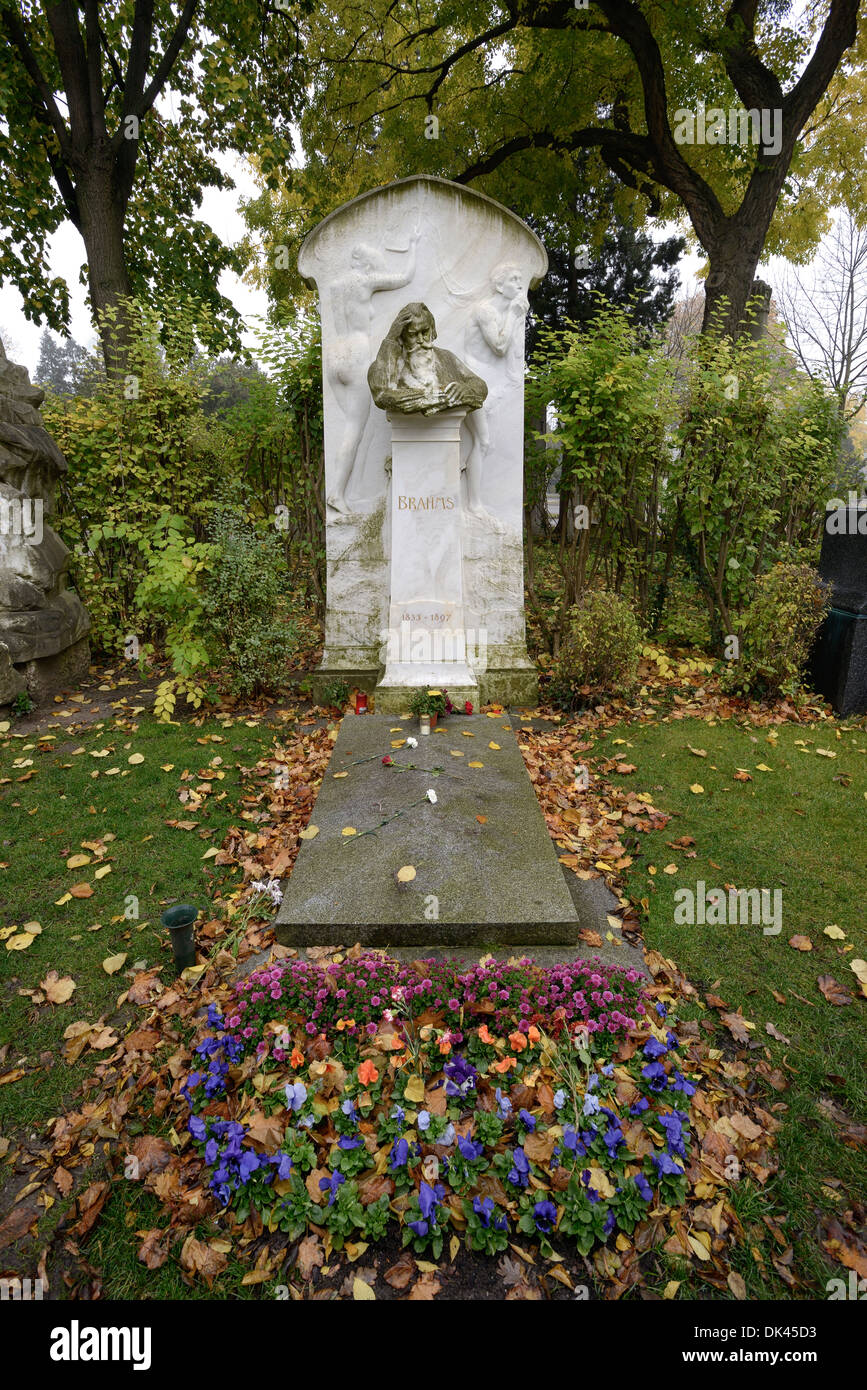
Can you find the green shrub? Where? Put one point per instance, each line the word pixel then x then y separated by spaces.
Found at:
pixel 777 631
pixel 600 650
pixel 241 602
pixel 335 693
pixel 169 597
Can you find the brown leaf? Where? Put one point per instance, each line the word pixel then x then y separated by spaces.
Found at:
pixel 153 1250
pixel 90 1204
pixel 736 1025
pixel 310 1256
pixel 834 993
pixel 62 1180
pixel 774 1032
pixel 510 1271
pixel 539 1147
pixel 801 943
pixel 400 1274
pixel 145 984
pixel 373 1186
pixel 736 1284
pixel 267 1130
pixel 153 1154
pixel 745 1126
pixel 18 1222
pixel 590 938
pixel 199 1258
pixel 311 1182
pixel 424 1289
pixel 81 890
pixel 142 1040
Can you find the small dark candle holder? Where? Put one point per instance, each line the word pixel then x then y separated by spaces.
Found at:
pixel 180 922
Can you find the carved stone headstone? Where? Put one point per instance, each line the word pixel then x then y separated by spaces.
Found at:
pixel 43 625
pixel 424 246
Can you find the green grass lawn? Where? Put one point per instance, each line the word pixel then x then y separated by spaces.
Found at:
pixel 798 827
pixel 70 799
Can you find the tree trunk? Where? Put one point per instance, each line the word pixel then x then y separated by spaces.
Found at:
pixel 730 289
pixel 101 225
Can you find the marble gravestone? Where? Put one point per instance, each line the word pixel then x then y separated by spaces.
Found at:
pixel 423 298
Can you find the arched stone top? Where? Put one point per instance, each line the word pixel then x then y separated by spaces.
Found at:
pixel 389 202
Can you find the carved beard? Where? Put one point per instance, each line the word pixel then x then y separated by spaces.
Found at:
pixel 421 364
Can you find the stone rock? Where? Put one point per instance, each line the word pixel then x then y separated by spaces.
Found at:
pixel 46 675
pixel 12 683
pixel 43 624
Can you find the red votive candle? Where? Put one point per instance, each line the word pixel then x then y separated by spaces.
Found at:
pixel 361 702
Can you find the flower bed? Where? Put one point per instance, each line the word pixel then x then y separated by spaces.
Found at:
pixel 460 1104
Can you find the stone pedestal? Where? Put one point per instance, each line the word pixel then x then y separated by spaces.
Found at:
pixel 427 640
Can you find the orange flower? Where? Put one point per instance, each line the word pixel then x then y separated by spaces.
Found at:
pixel 485 1035
pixel 445 1044
pixel 297 1057
pixel 533 1033
pixel 504 1065
pixel 517 1041
pixel 367 1073
pixel 345 1023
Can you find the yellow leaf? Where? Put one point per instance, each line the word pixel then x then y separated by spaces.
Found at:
pixel 414 1090
pixel 467 733
pixel 168 767
pixel 362 1291
pixel 67 898
pixel 406 874
pixel 494 746
pixel 671 1288
pixel 398 742
pixel 21 941
pixel 57 990
pixel 101 873
pixel 454 1247
pixel 77 861
pixel 349 830
pixel 860 969
pixel 763 767
pixel 835 933
pixel 698 1245
pixel 135 758
pixel 696 789
pixel 475 764
pixel 456 752
pixel 309 833
pixel 211 853
pixel 427 1268
pixel 396 730
pixel 340 774
pixel 355 1249
pixel 112 964
pixel 670 869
